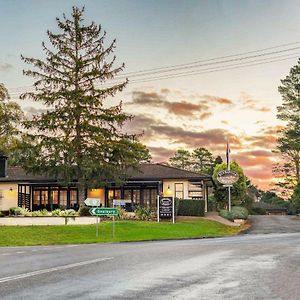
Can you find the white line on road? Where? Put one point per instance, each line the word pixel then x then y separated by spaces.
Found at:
pixel 65 267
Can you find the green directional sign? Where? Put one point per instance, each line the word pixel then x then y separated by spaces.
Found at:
pixel 103 211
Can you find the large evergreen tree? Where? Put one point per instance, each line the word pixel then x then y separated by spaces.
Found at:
pixel 10 120
pixel 80 136
pixel 289 140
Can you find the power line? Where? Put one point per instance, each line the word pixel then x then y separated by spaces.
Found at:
pixel 212 59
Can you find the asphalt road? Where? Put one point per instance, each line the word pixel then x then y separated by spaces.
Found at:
pixel 274 224
pixel 251 266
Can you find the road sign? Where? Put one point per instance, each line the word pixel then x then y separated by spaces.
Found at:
pixel 103 211
pixel 227 177
pixel 92 202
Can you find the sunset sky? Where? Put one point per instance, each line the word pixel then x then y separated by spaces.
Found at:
pixel 194 110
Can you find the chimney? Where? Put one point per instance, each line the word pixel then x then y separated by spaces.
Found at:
pixel 3 165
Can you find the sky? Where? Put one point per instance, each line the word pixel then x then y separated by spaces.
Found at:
pixel 196 110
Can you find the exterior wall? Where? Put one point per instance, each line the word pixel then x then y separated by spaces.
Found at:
pixel 8 198
pixel 97 193
pixel 169 187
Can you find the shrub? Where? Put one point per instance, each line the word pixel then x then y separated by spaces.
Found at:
pixel 15 211
pixel 191 208
pixel 143 213
pixel 258 211
pixel 25 212
pixel 121 213
pixel 55 212
pixel 5 213
pixel 40 213
pixel 236 212
pixel 84 210
pixel 211 203
pixel 67 214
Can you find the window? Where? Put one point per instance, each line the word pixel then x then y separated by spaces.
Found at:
pixel 179 190
pixel 63 199
pixel 36 197
pixel 44 198
pixel 73 198
pixel 136 196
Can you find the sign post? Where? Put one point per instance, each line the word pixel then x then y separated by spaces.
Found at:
pixel 228 178
pixel 94 202
pixel 165 208
pixel 104 211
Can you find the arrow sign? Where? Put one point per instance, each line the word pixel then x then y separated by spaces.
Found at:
pixel 92 202
pixel 103 211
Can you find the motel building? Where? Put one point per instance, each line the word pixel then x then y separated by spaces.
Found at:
pixel 35 192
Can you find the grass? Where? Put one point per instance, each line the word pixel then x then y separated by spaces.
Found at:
pixel 125 231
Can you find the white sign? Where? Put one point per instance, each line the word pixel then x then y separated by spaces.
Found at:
pixel 228 177
pixel 92 202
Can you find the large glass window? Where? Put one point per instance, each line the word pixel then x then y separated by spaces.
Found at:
pixel 63 199
pixel 179 190
pixel 36 197
pixel 44 198
pixel 136 196
pixel 73 198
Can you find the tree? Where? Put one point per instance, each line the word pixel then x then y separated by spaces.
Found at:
pixel 295 199
pixel 181 159
pixel 203 161
pixel 289 140
pixel 239 189
pixel 80 136
pixel 10 119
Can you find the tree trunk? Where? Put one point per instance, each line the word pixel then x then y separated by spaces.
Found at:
pixel 81 194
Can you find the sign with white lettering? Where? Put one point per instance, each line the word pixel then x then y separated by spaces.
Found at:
pixel 165 208
pixel 92 202
pixel 228 177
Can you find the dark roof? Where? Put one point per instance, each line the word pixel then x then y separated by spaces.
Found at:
pixel 269 206
pixel 145 172
pixel 160 171
pixel 18 174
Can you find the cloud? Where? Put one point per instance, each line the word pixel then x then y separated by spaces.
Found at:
pixel 160 154
pixel 247 102
pixel 4 67
pixel 181 108
pixel 216 99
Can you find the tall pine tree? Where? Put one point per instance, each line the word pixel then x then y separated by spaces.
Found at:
pixel 79 137
pixel 289 140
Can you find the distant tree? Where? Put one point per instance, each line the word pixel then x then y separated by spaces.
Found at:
pixel 218 160
pixel 202 161
pixel 182 159
pixel 11 116
pixel 238 191
pixel 80 136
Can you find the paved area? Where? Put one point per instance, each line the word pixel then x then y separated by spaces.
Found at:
pixel 273 224
pixel 243 267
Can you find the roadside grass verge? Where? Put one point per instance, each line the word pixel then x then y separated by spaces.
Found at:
pixel 124 231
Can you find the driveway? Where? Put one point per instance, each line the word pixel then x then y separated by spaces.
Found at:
pixel 273 224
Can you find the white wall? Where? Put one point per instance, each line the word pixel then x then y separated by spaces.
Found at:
pixel 171 184
pixel 9 198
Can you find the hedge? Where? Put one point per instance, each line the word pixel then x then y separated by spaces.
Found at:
pixel 190 207
pixel 237 212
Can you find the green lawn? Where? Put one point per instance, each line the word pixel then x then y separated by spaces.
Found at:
pixel 125 231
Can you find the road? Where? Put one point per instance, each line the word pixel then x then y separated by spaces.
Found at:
pixel 251 266
pixel 274 224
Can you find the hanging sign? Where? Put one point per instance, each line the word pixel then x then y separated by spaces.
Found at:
pixel 228 177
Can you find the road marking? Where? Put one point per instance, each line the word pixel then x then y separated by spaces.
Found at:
pixel 44 271
pixel 6 254
pixel 20 252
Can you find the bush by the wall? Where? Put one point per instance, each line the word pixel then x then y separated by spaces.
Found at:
pixel 191 208
pixel 15 211
pixel 84 211
pixel 143 213
pixel 258 211
pixel 237 212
